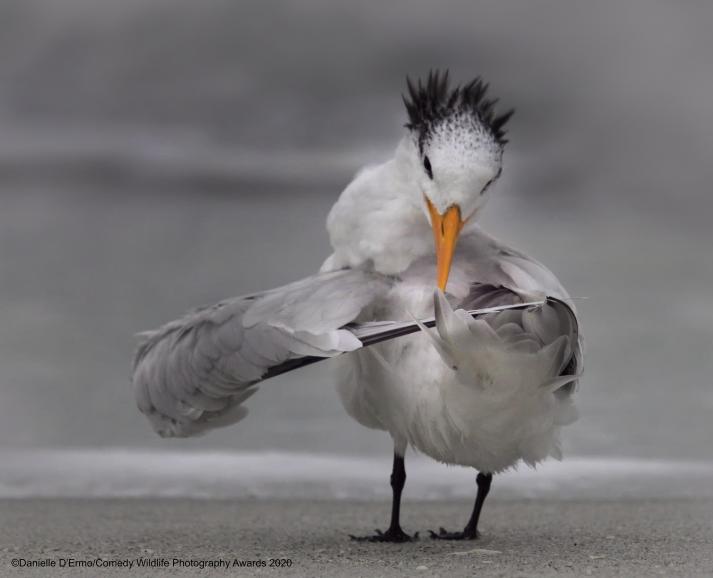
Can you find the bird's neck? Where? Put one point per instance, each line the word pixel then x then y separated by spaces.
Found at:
pixel 378 220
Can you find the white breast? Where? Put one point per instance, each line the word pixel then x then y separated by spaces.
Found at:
pixel 405 388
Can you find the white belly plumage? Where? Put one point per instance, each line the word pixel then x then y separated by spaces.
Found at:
pixel 490 420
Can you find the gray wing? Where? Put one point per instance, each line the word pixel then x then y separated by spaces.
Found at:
pixel 543 324
pixel 194 373
pixel 501 276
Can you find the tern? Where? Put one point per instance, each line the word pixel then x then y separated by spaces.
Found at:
pixel 490 386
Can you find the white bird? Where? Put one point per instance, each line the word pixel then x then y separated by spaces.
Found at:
pixel 485 392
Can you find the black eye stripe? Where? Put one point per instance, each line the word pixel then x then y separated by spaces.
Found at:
pixel 491 181
pixel 427 166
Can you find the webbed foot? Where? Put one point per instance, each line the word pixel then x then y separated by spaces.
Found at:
pixel 466 534
pixel 394 535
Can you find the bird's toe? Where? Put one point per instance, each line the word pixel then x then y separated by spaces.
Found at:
pixel 393 535
pixel 443 534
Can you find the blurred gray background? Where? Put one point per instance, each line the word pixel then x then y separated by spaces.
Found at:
pixel 156 155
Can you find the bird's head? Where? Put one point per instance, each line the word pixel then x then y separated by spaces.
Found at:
pixel 457 147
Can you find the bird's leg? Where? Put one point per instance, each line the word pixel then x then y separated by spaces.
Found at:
pixel 394 533
pixel 470 532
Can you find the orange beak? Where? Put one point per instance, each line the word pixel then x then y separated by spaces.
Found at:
pixel 446 229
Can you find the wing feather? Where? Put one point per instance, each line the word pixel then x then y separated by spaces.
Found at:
pixel 550 329
pixel 194 373
pixel 502 275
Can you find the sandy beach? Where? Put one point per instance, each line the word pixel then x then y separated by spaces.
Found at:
pixel 520 537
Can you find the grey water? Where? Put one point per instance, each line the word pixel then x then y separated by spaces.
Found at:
pixel 156 156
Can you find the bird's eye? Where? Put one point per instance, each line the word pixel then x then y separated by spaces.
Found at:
pixel 427 166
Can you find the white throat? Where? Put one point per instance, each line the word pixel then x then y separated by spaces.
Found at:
pixel 379 218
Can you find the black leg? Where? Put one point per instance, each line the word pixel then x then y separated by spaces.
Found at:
pixel 470 532
pixel 398 481
pixel 394 533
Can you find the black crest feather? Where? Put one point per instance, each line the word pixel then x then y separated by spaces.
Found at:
pixel 432 101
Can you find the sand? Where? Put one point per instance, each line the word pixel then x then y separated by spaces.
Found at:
pixel 520 537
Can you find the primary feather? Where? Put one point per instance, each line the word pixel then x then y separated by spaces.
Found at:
pixel 194 373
